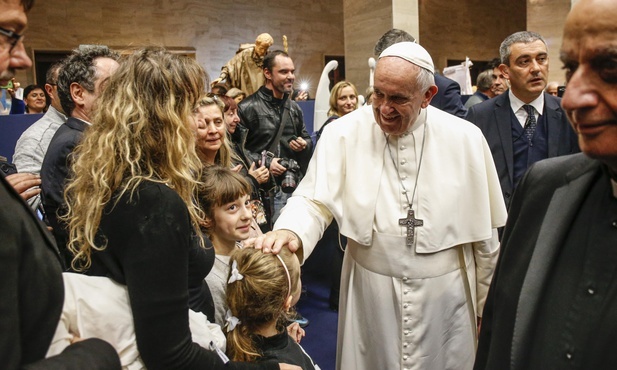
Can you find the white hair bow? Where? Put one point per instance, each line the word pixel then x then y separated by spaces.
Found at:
pixel 235 274
pixel 232 321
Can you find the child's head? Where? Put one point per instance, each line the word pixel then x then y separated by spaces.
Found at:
pixel 261 297
pixel 224 197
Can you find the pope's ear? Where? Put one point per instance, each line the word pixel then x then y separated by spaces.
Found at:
pixel 428 95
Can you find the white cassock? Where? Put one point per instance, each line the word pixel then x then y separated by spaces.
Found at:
pixel 404 307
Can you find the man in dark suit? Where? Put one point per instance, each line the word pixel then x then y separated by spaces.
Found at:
pixel 31 290
pixel 553 299
pixel 80 82
pixel 518 138
pixel 448 97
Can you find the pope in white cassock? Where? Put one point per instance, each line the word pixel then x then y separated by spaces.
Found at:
pixel 415 191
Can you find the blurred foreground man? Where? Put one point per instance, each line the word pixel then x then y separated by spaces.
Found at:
pixel 553 299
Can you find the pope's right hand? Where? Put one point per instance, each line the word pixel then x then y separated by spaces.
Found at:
pixel 274 241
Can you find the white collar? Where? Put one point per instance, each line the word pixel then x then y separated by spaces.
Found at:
pixel 517 103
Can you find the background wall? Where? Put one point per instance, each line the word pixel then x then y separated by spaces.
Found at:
pixel 447 29
pixel 214 28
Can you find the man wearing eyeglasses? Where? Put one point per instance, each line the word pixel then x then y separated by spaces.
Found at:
pixel 13 55
pixel 31 290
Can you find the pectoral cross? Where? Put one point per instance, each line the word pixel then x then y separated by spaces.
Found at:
pixel 411 222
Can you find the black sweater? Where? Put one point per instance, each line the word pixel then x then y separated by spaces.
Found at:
pixel 149 239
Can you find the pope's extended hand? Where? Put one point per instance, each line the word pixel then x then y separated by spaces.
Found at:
pixel 273 241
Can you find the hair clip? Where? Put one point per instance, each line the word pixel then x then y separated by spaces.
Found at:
pixel 235 274
pixel 232 321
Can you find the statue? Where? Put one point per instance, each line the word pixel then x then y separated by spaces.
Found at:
pixel 244 70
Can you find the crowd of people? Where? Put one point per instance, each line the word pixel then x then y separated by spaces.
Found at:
pixel 153 224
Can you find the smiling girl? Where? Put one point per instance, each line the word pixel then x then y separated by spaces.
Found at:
pixel 225 200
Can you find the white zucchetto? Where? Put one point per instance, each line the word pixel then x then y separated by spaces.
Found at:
pixel 411 52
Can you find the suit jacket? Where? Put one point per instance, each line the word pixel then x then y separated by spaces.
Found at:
pixel 545 203
pixel 493 117
pixel 55 172
pixel 448 97
pixel 32 295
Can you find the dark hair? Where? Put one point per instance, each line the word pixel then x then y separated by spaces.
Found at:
pixel 269 58
pixel 31 88
pixel 394 36
pixel 494 63
pixel 229 102
pixel 220 185
pixel 79 68
pixel 51 77
pixel 525 37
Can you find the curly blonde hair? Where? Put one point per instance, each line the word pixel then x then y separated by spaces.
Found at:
pixel 140 132
pixel 259 298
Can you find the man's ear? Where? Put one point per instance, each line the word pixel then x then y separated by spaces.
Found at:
pixel 505 70
pixel 49 89
pixel 77 93
pixel 428 96
pixel 267 74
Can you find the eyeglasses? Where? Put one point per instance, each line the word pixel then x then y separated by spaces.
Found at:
pixel 13 37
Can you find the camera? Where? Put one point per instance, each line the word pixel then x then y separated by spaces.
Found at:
pixel 290 177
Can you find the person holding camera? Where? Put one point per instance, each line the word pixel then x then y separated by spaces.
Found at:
pixel 277 136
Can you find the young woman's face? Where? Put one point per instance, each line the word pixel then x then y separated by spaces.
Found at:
pixel 232 221
pixel 35 101
pixel 210 129
pixel 346 101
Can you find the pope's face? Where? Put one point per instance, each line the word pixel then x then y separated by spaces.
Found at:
pixel 397 100
pixel 589 56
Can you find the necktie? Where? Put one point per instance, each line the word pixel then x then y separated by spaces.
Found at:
pixel 530 123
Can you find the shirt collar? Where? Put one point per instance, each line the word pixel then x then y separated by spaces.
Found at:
pixel 517 103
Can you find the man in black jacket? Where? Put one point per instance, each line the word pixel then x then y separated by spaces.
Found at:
pixel 276 130
pixel 80 81
pixel 552 303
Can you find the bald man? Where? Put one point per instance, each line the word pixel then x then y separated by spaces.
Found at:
pixel 419 203
pixel 553 300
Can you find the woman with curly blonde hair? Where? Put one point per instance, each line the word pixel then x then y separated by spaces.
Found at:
pixel 131 203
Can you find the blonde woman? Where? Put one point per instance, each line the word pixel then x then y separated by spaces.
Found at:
pixel 343 100
pixel 131 203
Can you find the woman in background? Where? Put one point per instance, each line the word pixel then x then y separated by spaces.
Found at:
pixel 343 100
pixel 36 99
